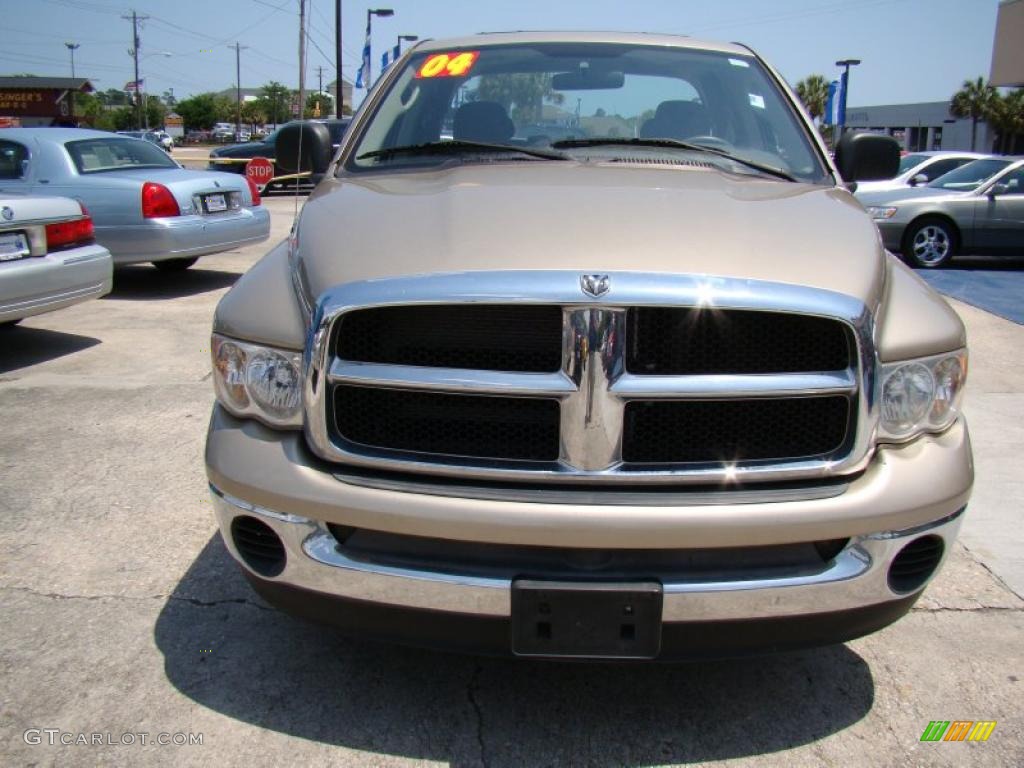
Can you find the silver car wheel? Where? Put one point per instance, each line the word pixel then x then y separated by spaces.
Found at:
pixel 931 245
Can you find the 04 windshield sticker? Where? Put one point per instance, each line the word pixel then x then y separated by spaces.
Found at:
pixel 455 64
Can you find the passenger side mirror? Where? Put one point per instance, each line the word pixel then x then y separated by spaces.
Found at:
pixel 303 148
pixel 918 180
pixel 867 157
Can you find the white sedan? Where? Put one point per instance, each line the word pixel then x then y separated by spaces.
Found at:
pixel 49 257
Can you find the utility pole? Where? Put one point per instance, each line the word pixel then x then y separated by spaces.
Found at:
pixel 71 91
pixel 338 90
pixel 134 52
pixel 238 87
pixel 302 57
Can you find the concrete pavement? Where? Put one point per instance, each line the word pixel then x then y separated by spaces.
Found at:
pixel 120 611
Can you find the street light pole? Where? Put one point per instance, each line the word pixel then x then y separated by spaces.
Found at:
pixel 72 47
pixel 338 90
pixel 370 13
pixel 846 64
pixel 408 39
pixel 238 87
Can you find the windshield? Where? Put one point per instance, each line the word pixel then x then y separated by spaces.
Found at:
pixel 537 95
pixel 910 161
pixel 969 176
pixel 116 154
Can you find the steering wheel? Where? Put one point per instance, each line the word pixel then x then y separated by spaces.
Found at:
pixel 714 142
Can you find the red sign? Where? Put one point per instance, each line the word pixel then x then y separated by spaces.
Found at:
pixel 259 170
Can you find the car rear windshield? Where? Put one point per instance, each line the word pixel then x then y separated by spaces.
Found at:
pixel 116 154
pixel 536 95
pixel 970 176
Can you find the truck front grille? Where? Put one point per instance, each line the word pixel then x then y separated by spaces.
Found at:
pixel 734 430
pixel 450 425
pixel 623 388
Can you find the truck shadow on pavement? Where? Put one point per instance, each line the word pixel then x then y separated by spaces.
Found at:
pixel 147 283
pixel 228 651
pixel 22 347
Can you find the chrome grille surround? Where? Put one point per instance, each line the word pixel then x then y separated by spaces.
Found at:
pixel 593 385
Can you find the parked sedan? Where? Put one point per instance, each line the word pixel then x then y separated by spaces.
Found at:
pixel 233 158
pixel 918 169
pixel 49 257
pixel 145 206
pixel 978 208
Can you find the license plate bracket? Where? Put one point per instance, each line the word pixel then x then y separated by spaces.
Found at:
pixel 14 246
pixel 215 203
pixel 598 620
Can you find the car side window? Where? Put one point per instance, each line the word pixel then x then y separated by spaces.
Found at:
pixel 939 167
pixel 12 160
pixel 1014 182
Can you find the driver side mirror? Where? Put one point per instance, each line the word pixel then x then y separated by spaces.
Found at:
pixel 918 180
pixel 303 148
pixel 998 189
pixel 867 157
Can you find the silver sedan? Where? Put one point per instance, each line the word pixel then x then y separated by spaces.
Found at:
pixel 978 208
pixel 146 207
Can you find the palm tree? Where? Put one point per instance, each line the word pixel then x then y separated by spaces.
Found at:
pixel 813 92
pixel 973 101
pixel 1006 115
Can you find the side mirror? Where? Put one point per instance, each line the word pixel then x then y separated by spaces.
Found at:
pixel 998 189
pixel 918 180
pixel 303 147
pixel 867 157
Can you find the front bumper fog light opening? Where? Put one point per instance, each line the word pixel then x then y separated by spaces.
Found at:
pixel 915 564
pixel 261 549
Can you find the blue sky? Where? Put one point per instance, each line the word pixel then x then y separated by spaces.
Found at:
pixel 913 50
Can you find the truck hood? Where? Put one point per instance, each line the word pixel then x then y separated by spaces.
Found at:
pixel 591 218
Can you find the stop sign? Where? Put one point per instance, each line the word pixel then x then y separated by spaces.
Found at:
pixel 259 170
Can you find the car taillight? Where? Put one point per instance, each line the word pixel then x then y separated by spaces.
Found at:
pixel 253 190
pixel 68 234
pixel 157 201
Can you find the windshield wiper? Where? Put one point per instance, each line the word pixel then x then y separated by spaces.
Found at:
pixel 460 147
pixel 674 144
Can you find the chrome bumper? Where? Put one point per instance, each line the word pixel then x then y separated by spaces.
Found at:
pixel 856 578
pixel 41 284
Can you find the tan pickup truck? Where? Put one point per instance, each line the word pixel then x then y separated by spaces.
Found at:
pixel 582 348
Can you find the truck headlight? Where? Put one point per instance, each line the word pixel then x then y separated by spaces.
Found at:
pixel 259 381
pixel 921 395
pixel 877 212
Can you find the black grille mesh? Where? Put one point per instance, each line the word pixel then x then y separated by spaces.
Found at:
pixel 733 430
pixel 485 337
pixel 455 425
pixel 680 341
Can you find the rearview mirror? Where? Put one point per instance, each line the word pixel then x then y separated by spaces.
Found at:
pixel 867 157
pixel 587 80
pixel 303 148
pixel 919 180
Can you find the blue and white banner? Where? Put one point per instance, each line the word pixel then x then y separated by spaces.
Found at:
pixel 834 104
pixel 384 62
pixel 363 76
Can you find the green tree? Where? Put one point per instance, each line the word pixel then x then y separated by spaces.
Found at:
pixel 253 114
pixel 1006 115
pixel 200 112
pixel 973 101
pixel 813 92
pixel 90 109
pixel 123 118
pixel 155 111
pixel 522 95
pixel 275 101
pixel 318 105
pixel 113 97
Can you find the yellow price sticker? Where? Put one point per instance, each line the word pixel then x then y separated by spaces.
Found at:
pixel 448 64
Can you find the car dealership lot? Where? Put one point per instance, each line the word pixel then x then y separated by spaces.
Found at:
pixel 123 614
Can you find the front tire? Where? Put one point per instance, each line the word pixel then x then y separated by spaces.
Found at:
pixel 175 265
pixel 930 243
